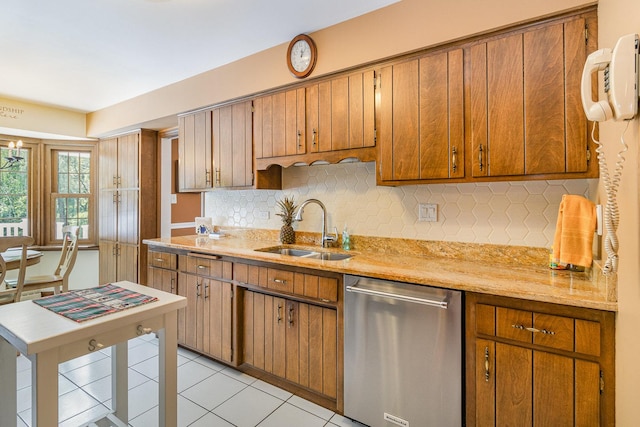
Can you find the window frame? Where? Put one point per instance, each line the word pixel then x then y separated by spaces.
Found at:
pixel 48 197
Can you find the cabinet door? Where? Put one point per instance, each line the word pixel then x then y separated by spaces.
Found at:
pixel 127 262
pixel 128 216
pixel 108 151
pixel 421 129
pixel 108 229
pixel 190 287
pixel 514 383
pixel 217 315
pixel 108 262
pixel 280 124
pixel 318 348
pixel 524 117
pixel 340 113
pixel 162 279
pixel 232 145
pixel 128 165
pixel 195 152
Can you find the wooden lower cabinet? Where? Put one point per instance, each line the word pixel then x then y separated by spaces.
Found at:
pixel 292 340
pixel 205 325
pixel 162 273
pixel 537 364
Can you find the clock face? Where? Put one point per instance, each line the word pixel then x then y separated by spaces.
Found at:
pixel 301 56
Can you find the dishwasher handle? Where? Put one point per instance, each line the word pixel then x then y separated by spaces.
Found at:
pixel 434 303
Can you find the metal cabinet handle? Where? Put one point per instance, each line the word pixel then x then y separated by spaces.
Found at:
pixel 281 281
pixel 206 289
pixel 454 159
pixel 201 267
pixel 279 313
pixel 313 138
pixel 95 345
pixel 198 290
pixel 299 137
pixel 173 284
pixel 486 364
pixel 158 259
pixel 480 157
pixel 217 176
pixel 115 180
pixel 141 330
pixel 533 330
pixel 207 176
pixel 290 315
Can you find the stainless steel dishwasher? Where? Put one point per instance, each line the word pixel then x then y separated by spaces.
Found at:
pixel 402 354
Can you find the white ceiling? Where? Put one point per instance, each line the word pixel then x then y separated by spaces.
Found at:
pixel 85 55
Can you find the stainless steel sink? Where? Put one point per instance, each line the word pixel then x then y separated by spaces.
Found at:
pixel 305 253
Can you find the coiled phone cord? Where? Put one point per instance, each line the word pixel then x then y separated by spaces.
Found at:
pixel 611 213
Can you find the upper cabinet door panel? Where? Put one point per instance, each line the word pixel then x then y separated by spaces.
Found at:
pixel 505 106
pixel 421 118
pixel 195 152
pixel 544 131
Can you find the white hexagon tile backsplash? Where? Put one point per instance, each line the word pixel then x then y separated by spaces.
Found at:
pixel 521 213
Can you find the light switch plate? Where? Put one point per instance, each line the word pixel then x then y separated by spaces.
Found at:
pixel 428 212
pixel 174 199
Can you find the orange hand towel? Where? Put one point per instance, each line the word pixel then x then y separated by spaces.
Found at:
pixel 573 241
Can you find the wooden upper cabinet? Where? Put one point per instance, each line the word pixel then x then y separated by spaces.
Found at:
pixel 421 119
pixel 195 152
pixel 233 145
pixel 525 110
pixel 279 124
pixel 340 113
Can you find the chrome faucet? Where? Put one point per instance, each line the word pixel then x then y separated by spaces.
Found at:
pixel 327 239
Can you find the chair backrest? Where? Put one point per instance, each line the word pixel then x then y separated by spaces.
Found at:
pixel 12 242
pixel 69 252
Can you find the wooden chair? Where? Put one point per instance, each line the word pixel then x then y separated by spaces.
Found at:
pixel 59 280
pixel 9 295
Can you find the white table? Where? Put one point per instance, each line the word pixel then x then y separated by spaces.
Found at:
pixel 48 339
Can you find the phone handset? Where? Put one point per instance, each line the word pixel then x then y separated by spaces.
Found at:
pixel 620 68
pixel 599 111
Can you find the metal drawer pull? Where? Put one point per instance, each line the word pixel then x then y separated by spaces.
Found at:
pixel 486 364
pixel 454 159
pixel 534 330
pixel 480 157
pixel 201 267
pixel 281 281
pixel 95 345
pixel 142 330
pixel 158 260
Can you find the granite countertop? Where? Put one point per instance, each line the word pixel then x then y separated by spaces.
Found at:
pixel 491 269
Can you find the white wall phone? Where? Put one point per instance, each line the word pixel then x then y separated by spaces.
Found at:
pixel 620 68
pixel 620 71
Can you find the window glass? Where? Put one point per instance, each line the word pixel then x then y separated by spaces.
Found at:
pixel 14 193
pixel 72 194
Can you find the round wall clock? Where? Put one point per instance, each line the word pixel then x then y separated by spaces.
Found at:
pixel 301 56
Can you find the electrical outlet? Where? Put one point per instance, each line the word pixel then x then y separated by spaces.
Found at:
pixel 263 215
pixel 428 212
pixel 174 199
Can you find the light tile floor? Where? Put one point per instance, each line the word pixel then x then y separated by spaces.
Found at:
pixel 210 394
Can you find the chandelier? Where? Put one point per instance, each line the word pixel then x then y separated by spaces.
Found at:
pixel 14 158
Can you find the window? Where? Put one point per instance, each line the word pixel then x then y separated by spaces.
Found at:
pixel 72 201
pixel 14 194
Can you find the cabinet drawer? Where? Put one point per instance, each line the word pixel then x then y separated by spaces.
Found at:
pixel 280 280
pixel 209 266
pixel 163 260
pixel 537 328
pixel 303 284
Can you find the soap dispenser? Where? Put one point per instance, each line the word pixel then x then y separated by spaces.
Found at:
pixel 346 240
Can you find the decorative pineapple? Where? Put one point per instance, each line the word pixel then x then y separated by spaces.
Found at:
pixel 287 209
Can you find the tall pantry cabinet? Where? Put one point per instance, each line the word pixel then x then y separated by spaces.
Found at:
pixel 128 175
